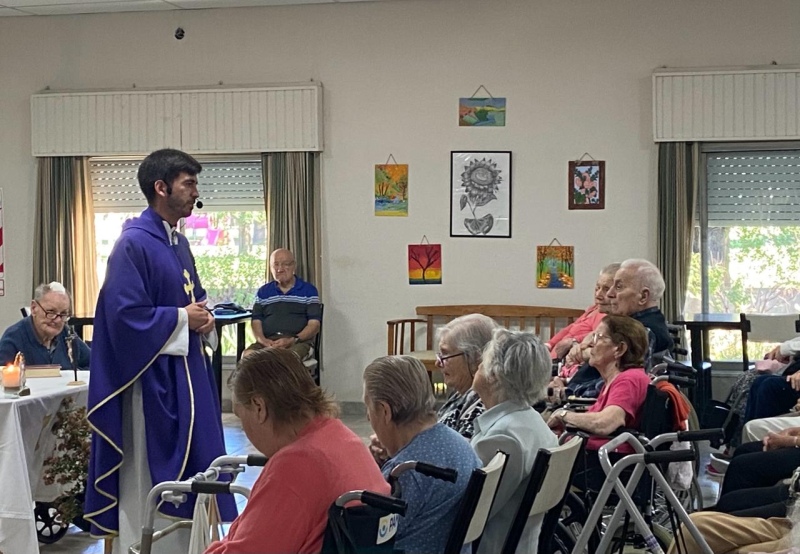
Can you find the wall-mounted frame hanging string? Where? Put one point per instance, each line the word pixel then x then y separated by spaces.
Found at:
pixel 424 240
pixel 585 155
pixel 478 90
pixel 391 157
pixel 555 241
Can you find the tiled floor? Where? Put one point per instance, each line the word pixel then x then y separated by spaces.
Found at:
pixel 77 542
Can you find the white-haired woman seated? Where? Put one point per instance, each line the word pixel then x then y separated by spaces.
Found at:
pixel 400 408
pixel 513 376
pixel 461 344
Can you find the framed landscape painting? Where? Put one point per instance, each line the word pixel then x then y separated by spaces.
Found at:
pixel 480 194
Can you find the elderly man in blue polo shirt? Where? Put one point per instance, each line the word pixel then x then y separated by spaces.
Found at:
pixel 287 310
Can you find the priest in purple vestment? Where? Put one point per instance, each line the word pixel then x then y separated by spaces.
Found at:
pixel 153 401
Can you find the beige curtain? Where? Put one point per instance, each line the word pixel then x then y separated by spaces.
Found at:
pixel 64 243
pixel 292 201
pixel 678 168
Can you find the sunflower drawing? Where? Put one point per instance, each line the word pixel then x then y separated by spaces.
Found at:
pixel 481 180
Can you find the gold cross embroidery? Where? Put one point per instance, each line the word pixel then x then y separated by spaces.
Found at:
pixel 188 287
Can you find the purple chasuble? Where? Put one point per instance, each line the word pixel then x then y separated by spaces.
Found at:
pixel 146 281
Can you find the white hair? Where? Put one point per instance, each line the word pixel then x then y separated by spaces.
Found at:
pixel 649 276
pixel 53 286
pixel 469 334
pixel 517 365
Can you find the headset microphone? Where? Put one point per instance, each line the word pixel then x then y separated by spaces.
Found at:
pixel 199 204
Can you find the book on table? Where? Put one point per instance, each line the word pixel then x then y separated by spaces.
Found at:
pixel 49 370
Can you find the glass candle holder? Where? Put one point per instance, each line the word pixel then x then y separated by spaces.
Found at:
pixel 12 379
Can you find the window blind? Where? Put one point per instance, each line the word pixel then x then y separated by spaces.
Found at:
pixel 223 186
pixel 753 188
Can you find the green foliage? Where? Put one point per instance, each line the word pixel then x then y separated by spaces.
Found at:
pixel 69 464
pixel 752 270
pixel 232 278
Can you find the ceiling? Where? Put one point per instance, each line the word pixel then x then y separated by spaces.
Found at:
pixel 71 7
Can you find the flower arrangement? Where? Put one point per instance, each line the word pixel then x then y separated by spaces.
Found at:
pixel 69 464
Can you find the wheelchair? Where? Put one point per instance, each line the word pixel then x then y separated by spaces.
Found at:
pixel 368 527
pixel 656 505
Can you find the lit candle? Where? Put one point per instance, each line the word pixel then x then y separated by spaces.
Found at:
pixel 11 377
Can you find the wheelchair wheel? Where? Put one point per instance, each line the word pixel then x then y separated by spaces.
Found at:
pixel 573 515
pixel 49 525
pixel 562 542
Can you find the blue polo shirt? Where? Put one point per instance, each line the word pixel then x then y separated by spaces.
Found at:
pixel 286 313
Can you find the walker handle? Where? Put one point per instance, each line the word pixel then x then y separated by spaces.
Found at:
pixel 701 435
pixel 385 503
pixel 669 456
pixel 443 473
pixel 211 487
pixel 256 460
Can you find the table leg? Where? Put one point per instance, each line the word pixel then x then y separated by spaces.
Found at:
pixel 216 364
pixel 240 329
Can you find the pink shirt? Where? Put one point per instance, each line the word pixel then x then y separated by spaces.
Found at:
pixel 288 506
pixel 578 329
pixel 628 391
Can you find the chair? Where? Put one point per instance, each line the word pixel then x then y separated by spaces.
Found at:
pixel 547 486
pixel 766 328
pixel 313 362
pixel 398 329
pixel 476 504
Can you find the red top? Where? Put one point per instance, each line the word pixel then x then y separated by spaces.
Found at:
pixel 288 507
pixel 628 391
pixel 578 329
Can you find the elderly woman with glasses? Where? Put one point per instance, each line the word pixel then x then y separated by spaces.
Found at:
pixel 313 457
pixel 42 337
pixel 461 343
pixel 618 350
pixel 512 376
pixel 399 401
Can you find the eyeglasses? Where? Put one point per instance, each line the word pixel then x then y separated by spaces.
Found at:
pixel 597 336
pixel 51 315
pixel 440 359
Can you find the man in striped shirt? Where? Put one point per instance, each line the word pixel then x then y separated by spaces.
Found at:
pixel 287 311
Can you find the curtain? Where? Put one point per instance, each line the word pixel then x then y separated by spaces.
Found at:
pixel 64 243
pixel 678 168
pixel 292 202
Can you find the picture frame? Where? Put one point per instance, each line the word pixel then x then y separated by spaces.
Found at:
pixel 587 185
pixel 480 193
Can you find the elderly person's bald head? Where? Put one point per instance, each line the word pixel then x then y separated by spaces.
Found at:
pixel 638 285
pixel 282 265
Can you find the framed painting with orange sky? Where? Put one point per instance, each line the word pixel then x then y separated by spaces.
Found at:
pixel 424 264
pixel 391 190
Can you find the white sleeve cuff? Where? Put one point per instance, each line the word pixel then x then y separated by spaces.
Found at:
pixel 212 338
pixel 178 343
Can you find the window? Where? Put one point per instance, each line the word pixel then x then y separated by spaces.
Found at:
pixel 228 236
pixel 745 256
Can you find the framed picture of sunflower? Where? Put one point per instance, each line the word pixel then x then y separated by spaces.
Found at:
pixel 587 185
pixel 480 194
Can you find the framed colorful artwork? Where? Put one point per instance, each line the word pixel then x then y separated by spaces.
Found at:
pixel 587 185
pixel 391 190
pixel 555 267
pixel 481 112
pixel 424 264
pixel 480 194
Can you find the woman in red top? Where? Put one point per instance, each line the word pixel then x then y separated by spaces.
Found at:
pixel 618 350
pixel 313 457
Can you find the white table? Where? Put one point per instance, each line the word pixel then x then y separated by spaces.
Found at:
pixel 26 440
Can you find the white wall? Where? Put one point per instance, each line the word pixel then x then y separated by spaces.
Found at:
pixel 576 75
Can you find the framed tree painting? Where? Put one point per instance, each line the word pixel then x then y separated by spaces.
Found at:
pixel 587 185
pixel 424 264
pixel 480 194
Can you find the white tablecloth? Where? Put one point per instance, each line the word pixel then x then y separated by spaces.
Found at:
pixel 26 440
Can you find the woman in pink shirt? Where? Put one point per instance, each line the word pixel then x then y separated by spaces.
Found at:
pixel 313 457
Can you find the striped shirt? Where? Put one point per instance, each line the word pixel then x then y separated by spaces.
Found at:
pixel 286 313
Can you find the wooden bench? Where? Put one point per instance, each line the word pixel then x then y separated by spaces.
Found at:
pixel 402 334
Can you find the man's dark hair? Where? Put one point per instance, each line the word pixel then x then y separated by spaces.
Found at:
pixel 164 165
